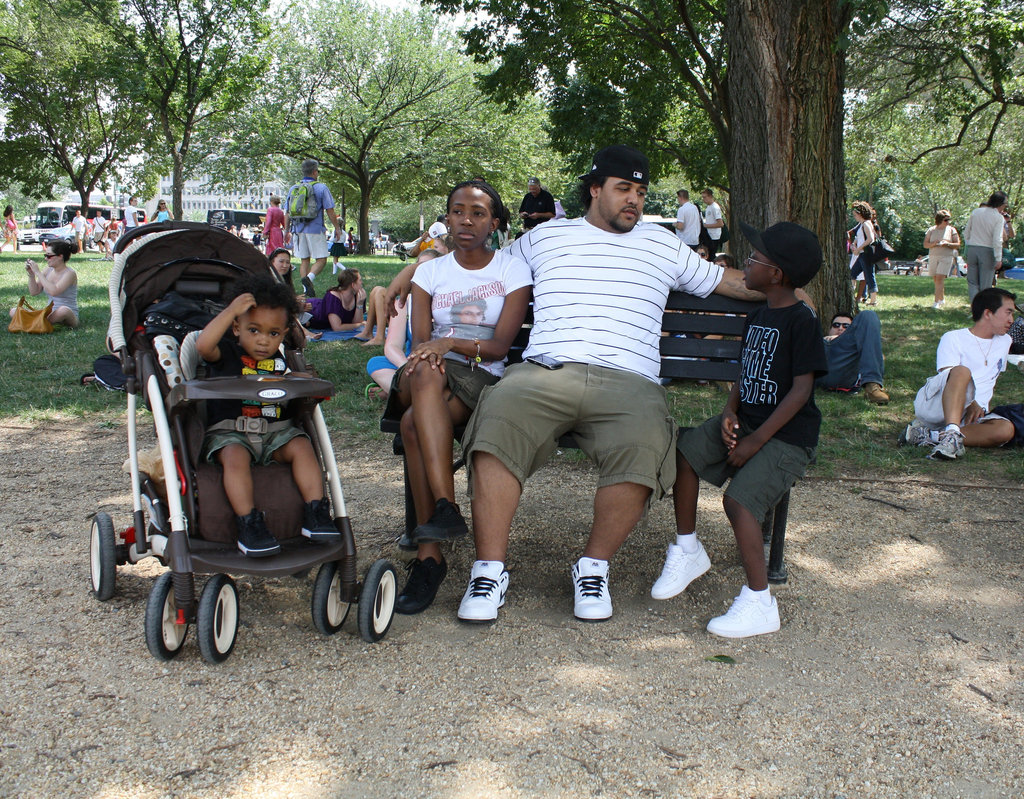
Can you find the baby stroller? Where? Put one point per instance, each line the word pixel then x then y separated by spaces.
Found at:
pixel 180 512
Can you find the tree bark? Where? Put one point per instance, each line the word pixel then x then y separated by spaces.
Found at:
pixel 786 79
pixel 177 184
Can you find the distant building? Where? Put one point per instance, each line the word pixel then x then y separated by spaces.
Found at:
pixel 197 197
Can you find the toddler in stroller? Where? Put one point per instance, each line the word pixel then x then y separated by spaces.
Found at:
pixel 166 304
pixel 239 432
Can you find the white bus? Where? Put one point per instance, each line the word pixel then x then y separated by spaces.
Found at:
pixel 55 218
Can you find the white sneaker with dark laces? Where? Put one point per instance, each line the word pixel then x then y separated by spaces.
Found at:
pixel 488 583
pixel 681 568
pixel 593 602
pixel 748 616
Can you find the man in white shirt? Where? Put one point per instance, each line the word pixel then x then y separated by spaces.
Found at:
pixel 78 225
pixel 131 215
pixel 99 227
pixel 954 403
pixel 687 220
pixel 713 222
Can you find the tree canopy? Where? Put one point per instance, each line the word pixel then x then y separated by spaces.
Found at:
pixel 386 102
pixel 69 111
pixel 192 61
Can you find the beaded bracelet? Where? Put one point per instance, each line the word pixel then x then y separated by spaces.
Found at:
pixel 477 359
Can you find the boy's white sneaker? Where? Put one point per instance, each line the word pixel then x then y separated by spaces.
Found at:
pixel 593 602
pixel 748 616
pixel 681 568
pixel 488 584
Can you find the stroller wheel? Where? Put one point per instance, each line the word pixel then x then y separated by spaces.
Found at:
pixel 102 556
pixel 164 636
pixel 329 612
pixel 377 601
pixel 217 618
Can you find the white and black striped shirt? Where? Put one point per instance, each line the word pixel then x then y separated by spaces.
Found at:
pixel 599 297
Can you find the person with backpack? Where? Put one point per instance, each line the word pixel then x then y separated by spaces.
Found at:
pixel 304 222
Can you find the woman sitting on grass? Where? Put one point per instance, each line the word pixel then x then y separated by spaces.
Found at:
pixel 58 280
pixel 396 344
pixel 339 308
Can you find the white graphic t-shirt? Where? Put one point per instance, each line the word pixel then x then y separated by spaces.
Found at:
pixel 467 303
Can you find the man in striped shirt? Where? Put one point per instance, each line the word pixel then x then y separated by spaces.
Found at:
pixel 600 288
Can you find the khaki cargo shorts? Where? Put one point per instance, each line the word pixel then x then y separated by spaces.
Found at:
pixel 619 419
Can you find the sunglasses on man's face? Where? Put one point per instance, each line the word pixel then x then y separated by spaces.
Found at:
pixel 841 325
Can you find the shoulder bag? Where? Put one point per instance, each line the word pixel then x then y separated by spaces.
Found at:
pixel 27 319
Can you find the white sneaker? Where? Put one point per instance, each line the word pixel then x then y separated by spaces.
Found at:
pixel 681 569
pixel 950 446
pixel 590 581
pixel 485 593
pixel 748 616
pixel 939 304
pixel 915 435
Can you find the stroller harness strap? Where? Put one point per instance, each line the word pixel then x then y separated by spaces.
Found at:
pixel 251 425
pixel 254 428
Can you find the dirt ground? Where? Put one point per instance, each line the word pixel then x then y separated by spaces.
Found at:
pixel 897 672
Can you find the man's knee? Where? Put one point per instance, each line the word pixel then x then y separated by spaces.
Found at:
pixel 958 375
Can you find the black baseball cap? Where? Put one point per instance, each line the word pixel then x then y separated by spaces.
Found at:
pixel 619 161
pixel 795 249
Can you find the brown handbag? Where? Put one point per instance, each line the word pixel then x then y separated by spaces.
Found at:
pixel 27 319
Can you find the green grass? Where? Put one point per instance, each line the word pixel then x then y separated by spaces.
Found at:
pixel 39 377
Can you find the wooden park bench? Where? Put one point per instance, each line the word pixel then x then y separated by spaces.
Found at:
pixel 687 353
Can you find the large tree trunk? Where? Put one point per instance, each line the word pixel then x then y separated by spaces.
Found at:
pixel 365 190
pixel 786 75
pixel 177 184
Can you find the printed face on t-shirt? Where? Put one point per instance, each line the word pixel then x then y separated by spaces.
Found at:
pixel 471 313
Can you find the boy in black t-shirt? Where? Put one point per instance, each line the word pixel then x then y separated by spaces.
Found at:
pixel 258 317
pixel 766 434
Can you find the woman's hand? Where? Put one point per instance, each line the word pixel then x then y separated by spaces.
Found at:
pixel 429 353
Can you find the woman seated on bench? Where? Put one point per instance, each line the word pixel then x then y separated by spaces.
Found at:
pixel 467 308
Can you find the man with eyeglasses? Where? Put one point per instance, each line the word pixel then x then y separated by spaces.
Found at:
pixel 853 347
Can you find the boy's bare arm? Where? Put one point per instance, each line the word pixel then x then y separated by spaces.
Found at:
pixel 794 400
pixel 208 343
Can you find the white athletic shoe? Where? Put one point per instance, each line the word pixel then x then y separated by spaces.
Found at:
pixel 590 581
pixel 681 568
pixel 485 593
pixel 748 616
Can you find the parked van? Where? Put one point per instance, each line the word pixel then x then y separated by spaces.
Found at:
pixel 54 219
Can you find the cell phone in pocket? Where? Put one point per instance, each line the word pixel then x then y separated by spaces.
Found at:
pixel 545 361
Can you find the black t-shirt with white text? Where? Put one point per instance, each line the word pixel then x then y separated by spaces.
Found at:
pixel 779 344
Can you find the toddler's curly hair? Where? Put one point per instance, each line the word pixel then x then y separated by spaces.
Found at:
pixel 268 291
